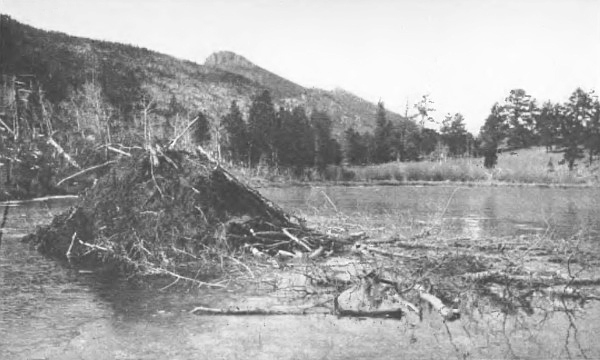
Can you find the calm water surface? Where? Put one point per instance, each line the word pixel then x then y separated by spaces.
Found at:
pixel 472 211
pixel 49 310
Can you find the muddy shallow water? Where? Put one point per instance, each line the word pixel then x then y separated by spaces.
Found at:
pixel 49 310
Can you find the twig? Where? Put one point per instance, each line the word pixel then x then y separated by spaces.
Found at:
pixel 84 171
pixel 154 178
pixel 441 217
pixel 68 254
pixel 330 202
pixel 296 240
pixel 241 263
pixel 156 270
pixel 202 213
pixel 118 151
pixel 95 247
pixel 168 286
pixel 7 127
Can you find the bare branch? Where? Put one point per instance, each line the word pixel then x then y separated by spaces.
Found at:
pixel 85 171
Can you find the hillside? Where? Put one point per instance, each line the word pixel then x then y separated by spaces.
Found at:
pixel 70 69
pixel 345 108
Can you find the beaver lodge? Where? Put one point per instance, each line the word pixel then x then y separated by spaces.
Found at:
pixel 180 216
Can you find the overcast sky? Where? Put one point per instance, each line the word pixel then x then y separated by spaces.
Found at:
pixel 467 54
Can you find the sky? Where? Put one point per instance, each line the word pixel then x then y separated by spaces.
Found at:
pixel 465 54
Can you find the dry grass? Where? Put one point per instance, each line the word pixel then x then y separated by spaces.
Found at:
pixel 523 166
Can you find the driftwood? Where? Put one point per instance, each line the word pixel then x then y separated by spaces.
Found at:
pixel 85 171
pixel 437 304
pixel 288 310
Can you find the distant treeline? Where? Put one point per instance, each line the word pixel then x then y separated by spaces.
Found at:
pixel 519 122
pixel 291 139
pixel 284 137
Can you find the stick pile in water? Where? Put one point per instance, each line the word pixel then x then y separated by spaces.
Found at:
pixel 169 212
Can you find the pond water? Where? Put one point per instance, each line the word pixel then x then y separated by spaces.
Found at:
pixel 50 310
pixel 471 211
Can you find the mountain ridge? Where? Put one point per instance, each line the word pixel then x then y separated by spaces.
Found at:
pixel 124 74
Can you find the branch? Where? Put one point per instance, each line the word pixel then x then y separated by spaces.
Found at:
pixel 84 171
pixel 7 127
pixel 62 152
pixel 437 304
pixel 68 254
pixel 118 151
pixel 296 240
pixel 174 141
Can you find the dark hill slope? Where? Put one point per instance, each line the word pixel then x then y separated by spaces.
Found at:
pixel 127 77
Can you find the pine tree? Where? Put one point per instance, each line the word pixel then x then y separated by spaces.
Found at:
pixel 592 132
pixel 261 128
pixel 325 150
pixel 546 125
pixel 201 130
pixel 578 112
pixel 236 142
pixel 356 148
pixel 491 134
pixel 518 113
pixel 382 136
pixel 454 134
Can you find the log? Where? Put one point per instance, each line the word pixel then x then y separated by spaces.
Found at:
pixel 437 304
pixel 286 310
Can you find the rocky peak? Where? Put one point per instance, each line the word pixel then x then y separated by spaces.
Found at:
pixel 227 58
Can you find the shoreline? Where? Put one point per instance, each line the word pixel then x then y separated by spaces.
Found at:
pixel 266 183
pixel 262 183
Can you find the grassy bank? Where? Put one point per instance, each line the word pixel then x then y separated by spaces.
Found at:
pixel 527 166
